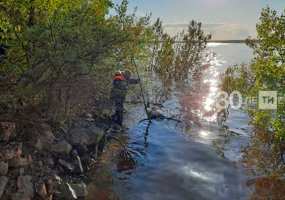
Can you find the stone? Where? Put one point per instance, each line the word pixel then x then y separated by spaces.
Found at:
pixel 50 186
pixel 80 136
pixel 106 112
pixel 66 165
pixel 39 144
pixel 19 162
pixel 21 171
pixel 3 168
pixel 25 187
pixel 45 139
pixel 41 190
pixel 3 183
pixel 80 189
pixel 6 130
pixel 11 151
pixel 19 196
pixel 72 191
pixel 50 162
pixel 79 164
pixel 85 136
pixel 61 147
pixel 89 117
pixel 66 192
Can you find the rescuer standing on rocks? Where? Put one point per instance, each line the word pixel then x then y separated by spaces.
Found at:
pixel 121 82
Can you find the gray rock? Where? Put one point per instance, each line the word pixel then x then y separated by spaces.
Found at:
pixel 66 192
pixel 25 188
pixel 66 165
pixel 21 171
pixel 3 183
pixel 80 189
pixel 41 190
pixel 19 162
pixel 79 167
pixel 50 162
pixel 3 168
pixel 19 196
pixel 61 147
pixel 45 139
pixel 72 191
pixel 85 136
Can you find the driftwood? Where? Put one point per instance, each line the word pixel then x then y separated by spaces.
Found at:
pixel 162 118
pixel 140 102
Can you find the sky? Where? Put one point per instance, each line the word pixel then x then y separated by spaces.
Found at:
pixel 224 19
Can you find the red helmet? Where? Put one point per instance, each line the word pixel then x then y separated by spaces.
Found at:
pixel 119 76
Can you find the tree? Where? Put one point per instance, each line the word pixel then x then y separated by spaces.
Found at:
pixel 266 72
pixel 189 52
pixel 175 59
pixel 52 42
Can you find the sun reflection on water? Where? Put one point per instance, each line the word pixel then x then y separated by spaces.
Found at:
pixel 211 77
pixel 187 170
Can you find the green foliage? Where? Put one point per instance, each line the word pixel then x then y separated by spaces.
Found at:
pixel 173 61
pixel 189 52
pixel 181 59
pixel 53 43
pixel 266 72
pixel 237 78
pixel 50 44
pixel 55 38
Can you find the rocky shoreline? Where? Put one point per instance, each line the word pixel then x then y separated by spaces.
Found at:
pixel 40 163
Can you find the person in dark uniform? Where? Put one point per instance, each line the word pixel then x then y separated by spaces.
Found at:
pixel 119 91
pixel 2 52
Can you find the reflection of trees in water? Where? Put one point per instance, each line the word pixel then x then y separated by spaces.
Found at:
pixel 192 98
pixel 271 187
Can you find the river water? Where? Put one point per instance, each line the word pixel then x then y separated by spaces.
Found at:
pixel 178 163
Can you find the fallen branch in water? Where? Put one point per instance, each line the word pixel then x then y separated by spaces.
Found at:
pixel 139 102
pixel 163 118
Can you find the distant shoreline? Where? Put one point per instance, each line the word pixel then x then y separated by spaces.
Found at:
pixel 227 41
pixel 216 41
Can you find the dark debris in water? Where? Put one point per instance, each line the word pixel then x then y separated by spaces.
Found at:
pixel 126 161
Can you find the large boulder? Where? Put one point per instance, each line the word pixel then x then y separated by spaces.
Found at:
pixel 85 136
pixel 44 138
pixel 62 147
pixel 66 165
pixel 25 188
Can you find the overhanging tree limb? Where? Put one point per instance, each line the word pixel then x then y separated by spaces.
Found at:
pixel 142 91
